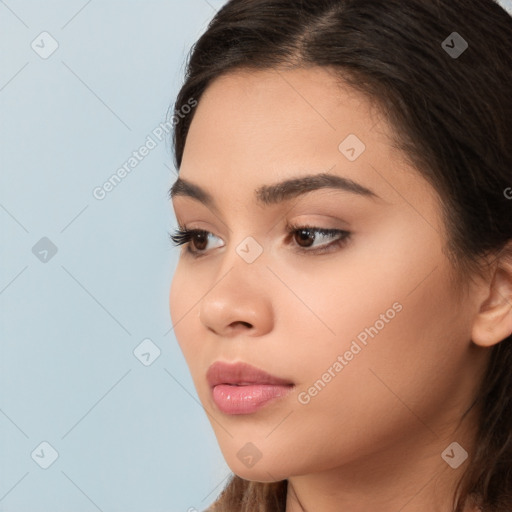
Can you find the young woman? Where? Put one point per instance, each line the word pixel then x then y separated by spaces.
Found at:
pixel 343 296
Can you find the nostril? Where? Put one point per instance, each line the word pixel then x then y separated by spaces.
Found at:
pixel 246 324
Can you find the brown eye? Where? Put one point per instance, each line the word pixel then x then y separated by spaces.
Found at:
pixel 196 240
pixel 309 239
pixel 200 239
pixel 304 237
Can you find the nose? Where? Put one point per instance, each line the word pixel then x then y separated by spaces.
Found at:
pixel 239 301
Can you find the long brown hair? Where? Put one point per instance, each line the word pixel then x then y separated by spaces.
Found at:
pixel 453 118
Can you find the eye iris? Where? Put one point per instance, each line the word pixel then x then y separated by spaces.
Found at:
pixel 200 241
pixel 304 235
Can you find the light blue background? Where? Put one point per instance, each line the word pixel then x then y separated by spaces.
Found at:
pixel 130 437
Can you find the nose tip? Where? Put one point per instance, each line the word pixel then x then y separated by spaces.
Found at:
pixel 230 309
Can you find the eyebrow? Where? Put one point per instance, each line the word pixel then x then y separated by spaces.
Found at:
pixel 277 192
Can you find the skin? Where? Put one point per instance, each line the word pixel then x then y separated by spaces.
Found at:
pixel 372 439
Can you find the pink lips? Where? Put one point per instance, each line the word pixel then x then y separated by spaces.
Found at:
pixel 243 389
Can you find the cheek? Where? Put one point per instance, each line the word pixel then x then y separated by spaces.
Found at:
pixel 399 346
pixel 181 300
pixel 175 305
pixel 398 320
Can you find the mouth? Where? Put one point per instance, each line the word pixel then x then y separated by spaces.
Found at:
pixel 243 389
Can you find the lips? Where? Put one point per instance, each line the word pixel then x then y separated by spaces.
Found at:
pixel 241 374
pixel 240 388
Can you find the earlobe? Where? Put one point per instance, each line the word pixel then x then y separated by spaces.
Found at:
pixel 493 322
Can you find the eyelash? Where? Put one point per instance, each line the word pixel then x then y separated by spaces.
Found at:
pixel 182 236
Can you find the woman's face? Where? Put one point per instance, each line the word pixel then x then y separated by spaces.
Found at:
pixel 368 328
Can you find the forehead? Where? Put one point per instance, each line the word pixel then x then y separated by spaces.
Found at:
pixel 258 127
pixel 284 106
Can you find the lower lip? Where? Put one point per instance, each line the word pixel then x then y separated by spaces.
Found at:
pixel 231 399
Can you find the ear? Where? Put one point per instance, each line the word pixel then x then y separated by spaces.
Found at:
pixel 493 322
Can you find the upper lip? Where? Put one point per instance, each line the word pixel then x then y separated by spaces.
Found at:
pixel 240 373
